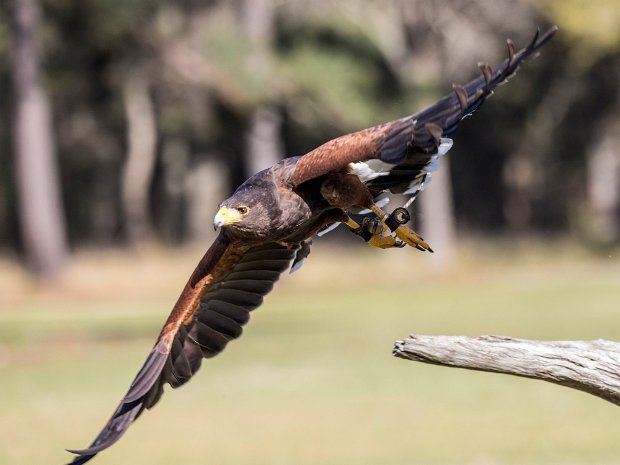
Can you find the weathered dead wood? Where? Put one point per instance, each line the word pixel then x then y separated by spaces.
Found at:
pixel 590 366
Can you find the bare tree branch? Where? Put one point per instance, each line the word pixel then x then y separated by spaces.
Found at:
pixel 590 366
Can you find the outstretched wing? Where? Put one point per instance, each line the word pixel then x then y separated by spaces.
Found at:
pixel 229 282
pixel 405 147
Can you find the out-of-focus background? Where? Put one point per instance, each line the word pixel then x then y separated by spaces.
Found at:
pixel 124 123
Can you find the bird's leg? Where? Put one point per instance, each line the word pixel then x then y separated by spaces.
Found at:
pixel 373 235
pixel 405 234
pixel 344 190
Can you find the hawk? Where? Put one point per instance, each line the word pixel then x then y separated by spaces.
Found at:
pixel 266 225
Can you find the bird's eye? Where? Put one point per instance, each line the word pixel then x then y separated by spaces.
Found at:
pixel 243 210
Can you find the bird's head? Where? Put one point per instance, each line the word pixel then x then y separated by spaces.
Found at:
pixel 249 212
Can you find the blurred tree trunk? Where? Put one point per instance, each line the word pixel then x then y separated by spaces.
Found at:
pixel 140 163
pixel 603 173
pixel 206 184
pixel 263 142
pixel 40 207
pixel 174 160
pixel 437 215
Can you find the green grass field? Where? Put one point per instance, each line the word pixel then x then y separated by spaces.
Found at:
pixel 312 381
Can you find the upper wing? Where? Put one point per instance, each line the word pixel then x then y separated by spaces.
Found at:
pixel 416 138
pixel 229 282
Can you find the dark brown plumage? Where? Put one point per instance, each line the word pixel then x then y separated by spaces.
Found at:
pixel 267 223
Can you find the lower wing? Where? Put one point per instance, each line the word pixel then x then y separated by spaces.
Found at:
pixel 229 282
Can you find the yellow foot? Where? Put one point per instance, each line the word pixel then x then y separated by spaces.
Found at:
pixel 384 242
pixel 409 236
pixel 377 239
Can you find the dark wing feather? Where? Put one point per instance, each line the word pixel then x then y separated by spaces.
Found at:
pixel 413 140
pixel 229 282
pixel 442 118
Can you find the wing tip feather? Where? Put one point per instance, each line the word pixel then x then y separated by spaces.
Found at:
pixel 146 377
pixel 129 408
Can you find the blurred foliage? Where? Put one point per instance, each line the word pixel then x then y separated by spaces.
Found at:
pixel 326 70
pixel 591 27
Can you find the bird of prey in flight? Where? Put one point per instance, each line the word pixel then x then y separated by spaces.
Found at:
pixel 266 226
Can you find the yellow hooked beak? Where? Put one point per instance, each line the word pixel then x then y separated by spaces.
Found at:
pixel 226 216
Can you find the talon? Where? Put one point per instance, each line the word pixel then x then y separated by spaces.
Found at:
pixel 405 234
pixel 410 237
